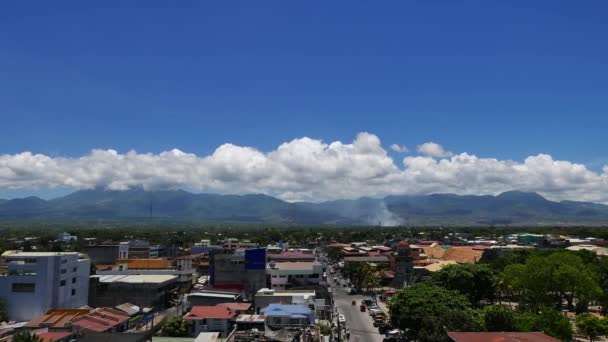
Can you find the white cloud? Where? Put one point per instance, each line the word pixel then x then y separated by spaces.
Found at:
pixel 399 148
pixel 308 169
pixel 432 149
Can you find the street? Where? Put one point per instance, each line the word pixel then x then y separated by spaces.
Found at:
pixel 360 324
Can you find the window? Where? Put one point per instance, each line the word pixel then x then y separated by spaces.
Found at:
pixel 29 260
pixel 64 261
pixel 62 283
pixel 23 287
pixel 64 271
pixel 74 269
pixel 73 280
pixel 73 292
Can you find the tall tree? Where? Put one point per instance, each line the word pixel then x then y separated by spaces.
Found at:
pixel 475 281
pixel 428 311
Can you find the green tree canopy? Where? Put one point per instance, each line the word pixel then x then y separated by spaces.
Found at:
pixel 176 327
pixel 475 281
pixel 428 311
pixel 591 326
pixel 548 320
pixel 498 318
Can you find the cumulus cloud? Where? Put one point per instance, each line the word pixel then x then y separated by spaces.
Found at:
pixel 399 148
pixel 308 169
pixel 432 149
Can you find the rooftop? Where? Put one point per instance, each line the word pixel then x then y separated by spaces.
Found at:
pixel 205 312
pixel 244 318
pixel 56 318
pixel 500 337
pixel 146 264
pixel 16 253
pixel 135 279
pixel 379 258
pixel 463 255
pixel 296 266
pixel 236 306
pixel 100 320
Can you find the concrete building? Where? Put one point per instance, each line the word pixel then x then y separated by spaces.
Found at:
pixel 35 282
pixel 180 267
pixel 241 270
pixel 150 291
pixel 107 254
pixel 285 275
pixel 265 297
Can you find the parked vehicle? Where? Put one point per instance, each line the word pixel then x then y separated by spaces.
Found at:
pixel 362 307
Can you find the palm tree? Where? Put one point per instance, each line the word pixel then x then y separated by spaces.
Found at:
pixel 26 336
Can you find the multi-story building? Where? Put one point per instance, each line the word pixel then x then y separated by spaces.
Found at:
pixel 243 270
pixel 180 267
pixel 107 254
pixel 285 275
pixel 34 282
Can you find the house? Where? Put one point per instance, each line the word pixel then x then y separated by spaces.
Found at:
pixel 500 337
pixel 215 318
pixel 56 319
pixel 284 275
pixel 36 282
pixel 101 320
pixel 290 315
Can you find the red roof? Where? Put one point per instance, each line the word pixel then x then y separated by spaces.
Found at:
pixel 101 320
pixel 205 312
pixel 500 337
pixel 236 306
pixel 52 336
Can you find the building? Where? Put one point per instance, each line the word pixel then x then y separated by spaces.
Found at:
pixel 282 316
pixel 500 337
pixel 285 275
pixel 143 250
pixel 35 282
pixel 215 318
pixel 265 297
pixel 145 290
pixel 181 267
pixel 464 255
pixel 101 320
pixel 66 237
pixel 107 254
pixel 234 244
pixel 211 297
pixel 56 319
pixel 243 270
pixel 292 256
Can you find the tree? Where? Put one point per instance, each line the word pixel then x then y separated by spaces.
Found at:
pixel 548 320
pixel 26 336
pixel 550 280
pixel 591 326
pixel 3 311
pixel 498 318
pixel 475 281
pixel 176 327
pixel 429 311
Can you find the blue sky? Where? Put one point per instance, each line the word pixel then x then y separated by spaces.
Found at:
pixel 498 79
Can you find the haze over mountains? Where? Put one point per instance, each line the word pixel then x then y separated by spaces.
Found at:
pixel 512 207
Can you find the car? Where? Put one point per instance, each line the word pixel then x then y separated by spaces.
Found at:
pixel 341 319
pixel 368 302
pixel 352 291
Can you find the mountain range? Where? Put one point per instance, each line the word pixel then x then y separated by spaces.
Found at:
pixel 508 208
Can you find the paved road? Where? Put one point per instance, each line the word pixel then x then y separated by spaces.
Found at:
pixel 359 323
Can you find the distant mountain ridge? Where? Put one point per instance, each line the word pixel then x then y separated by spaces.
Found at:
pixel 512 207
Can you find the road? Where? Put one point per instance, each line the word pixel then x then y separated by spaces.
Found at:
pixel 359 323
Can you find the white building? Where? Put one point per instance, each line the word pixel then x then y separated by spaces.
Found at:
pixel 35 282
pixel 284 275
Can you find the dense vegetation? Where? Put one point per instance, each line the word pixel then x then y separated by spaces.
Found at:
pixel 523 291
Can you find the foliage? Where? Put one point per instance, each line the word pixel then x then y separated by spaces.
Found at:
pixel 325 328
pixel 176 327
pixel 475 281
pixel 591 326
pixel 429 311
pixel 26 336
pixel 498 318
pixel 549 280
pixel 3 311
pixel 548 320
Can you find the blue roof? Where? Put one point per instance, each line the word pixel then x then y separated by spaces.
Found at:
pixel 286 310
